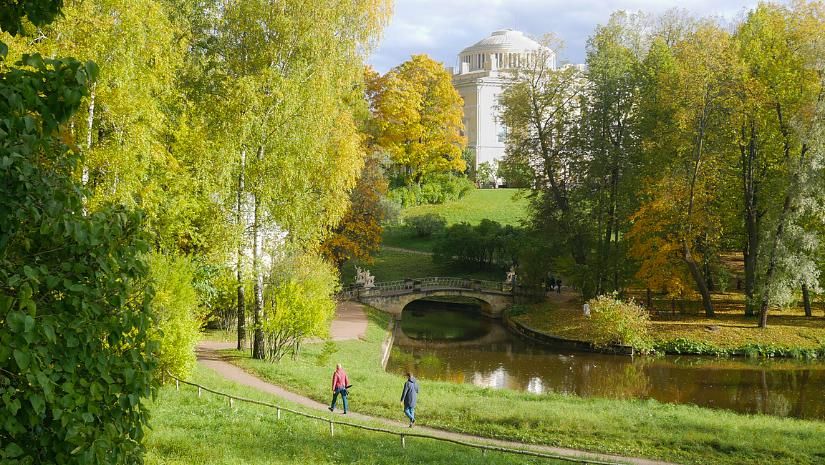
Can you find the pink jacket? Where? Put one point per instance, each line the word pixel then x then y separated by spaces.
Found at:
pixel 339 379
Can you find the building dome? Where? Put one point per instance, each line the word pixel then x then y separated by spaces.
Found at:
pixel 503 49
pixel 504 40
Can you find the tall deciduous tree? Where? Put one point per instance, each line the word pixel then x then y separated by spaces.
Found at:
pixel 610 120
pixel 541 109
pixel 690 141
pixel 780 121
pixel 290 77
pixel 418 118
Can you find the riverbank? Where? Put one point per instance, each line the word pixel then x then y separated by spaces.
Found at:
pixel 789 332
pixel 678 433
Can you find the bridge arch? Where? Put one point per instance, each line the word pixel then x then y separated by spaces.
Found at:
pixel 392 297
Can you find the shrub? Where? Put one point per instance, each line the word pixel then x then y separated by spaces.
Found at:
pixel 177 311
pixel 486 244
pixel 617 322
pixel 426 225
pixel 434 189
pixel 299 302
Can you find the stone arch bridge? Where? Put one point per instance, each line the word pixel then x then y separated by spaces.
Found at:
pixel 393 296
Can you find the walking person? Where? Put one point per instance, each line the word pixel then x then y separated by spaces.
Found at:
pixel 340 383
pixel 558 286
pixel 409 397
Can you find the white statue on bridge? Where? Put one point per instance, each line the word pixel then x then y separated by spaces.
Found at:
pixel 364 278
pixel 511 275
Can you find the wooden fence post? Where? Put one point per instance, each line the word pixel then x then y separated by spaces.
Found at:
pixel 177 385
pixel 279 414
pixel 403 442
pixel 199 391
pixel 231 402
pixel 331 428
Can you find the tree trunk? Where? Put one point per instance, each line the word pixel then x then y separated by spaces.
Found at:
pixel 806 300
pixel 696 273
pixel 751 218
pixel 258 340
pixel 241 222
pixel 90 119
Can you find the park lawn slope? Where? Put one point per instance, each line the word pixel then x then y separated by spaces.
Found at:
pixel 506 206
pixel 789 332
pixel 391 265
pixel 186 429
pixel 679 433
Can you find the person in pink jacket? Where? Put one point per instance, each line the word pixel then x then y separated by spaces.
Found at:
pixel 339 386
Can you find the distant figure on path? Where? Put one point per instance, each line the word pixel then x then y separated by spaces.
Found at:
pixel 340 383
pixel 558 286
pixel 409 397
pixel 586 309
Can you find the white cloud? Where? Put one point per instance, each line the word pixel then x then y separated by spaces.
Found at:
pixel 441 28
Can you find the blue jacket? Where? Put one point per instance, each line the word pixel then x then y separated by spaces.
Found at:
pixel 410 393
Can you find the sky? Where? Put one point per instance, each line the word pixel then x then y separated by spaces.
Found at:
pixel 442 28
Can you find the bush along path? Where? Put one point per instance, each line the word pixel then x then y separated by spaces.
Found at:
pixel 210 357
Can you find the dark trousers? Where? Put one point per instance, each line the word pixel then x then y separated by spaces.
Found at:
pixel 343 392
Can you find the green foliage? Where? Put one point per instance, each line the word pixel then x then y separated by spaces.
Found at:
pixel 434 189
pixel 486 176
pixel 326 353
pixel 486 244
pixel 76 361
pixel 426 225
pixel 177 311
pixel 753 350
pixel 299 302
pixel 616 322
pixel 38 12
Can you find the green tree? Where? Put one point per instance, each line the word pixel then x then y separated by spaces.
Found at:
pixel 289 81
pixel 610 122
pixel 541 109
pixel 76 360
pixel 779 120
pixel 688 139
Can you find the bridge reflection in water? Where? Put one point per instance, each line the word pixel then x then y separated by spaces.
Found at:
pixel 454 342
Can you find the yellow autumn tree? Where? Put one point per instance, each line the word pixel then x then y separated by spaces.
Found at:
pixel 418 118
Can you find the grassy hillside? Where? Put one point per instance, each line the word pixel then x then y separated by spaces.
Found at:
pixel 390 265
pixel 506 206
pixel 503 205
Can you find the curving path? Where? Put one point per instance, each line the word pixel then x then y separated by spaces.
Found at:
pixel 351 323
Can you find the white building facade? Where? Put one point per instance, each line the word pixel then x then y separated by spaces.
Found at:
pixel 483 72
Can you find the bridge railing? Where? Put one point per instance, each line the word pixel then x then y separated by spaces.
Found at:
pixel 408 286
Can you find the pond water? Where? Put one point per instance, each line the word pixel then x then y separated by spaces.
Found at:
pixel 453 342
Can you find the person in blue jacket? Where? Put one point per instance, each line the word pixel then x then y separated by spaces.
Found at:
pixel 409 397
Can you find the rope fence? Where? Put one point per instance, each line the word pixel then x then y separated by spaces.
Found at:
pixel 402 436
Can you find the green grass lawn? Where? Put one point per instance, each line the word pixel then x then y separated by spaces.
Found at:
pixel 505 206
pixel 391 265
pixel 680 433
pixel 189 430
pixel 492 204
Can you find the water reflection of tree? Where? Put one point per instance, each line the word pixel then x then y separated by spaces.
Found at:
pixel 618 381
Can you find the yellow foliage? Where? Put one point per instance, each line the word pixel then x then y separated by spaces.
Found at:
pixel 418 117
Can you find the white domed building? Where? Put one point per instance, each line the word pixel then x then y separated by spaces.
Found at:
pixel 480 78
